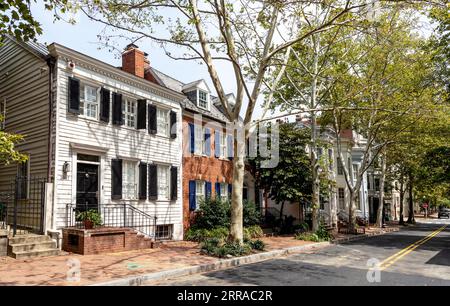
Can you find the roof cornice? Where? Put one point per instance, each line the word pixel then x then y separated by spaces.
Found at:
pixel 110 71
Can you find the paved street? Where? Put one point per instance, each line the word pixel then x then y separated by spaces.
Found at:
pixel 417 255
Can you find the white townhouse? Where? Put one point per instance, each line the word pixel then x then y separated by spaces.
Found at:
pixel 103 137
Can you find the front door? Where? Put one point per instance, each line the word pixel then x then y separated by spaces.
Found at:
pixel 87 186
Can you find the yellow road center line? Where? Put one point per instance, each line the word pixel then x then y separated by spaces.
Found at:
pixel 397 256
pixel 407 248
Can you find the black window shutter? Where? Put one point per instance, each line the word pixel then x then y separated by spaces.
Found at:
pixel 173 183
pixel 173 124
pixel 116 179
pixel 105 104
pixel 142 181
pixel 74 95
pixel 117 109
pixel 152 119
pixel 142 114
pixel 153 182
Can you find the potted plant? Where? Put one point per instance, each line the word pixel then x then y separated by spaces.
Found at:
pixel 90 218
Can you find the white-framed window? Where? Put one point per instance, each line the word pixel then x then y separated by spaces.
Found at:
pixel 200 192
pixel 164 231
pixel 129 112
pixel 223 191
pixel 89 101
pixel 163 122
pixel 223 145
pixel 199 138
pixel 129 180
pixel 163 182
pixel 355 171
pixel 203 99
pixel 341 198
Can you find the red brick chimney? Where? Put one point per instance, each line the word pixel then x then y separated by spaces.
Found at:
pixel 134 61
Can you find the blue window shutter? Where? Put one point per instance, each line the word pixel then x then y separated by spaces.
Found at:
pixel 217 189
pixel 230 190
pixel 230 147
pixel 192 204
pixel 207 142
pixel 192 137
pixel 217 143
pixel 208 190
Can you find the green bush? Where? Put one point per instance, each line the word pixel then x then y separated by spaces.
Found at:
pixel 254 231
pixel 214 212
pixel 308 237
pixel 258 245
pixel 219 248
pixel 322 233
pixel 201 234
pixel 301 227
pixel 252 216
pixel 90 215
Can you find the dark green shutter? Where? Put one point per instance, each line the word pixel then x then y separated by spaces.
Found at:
pixel 153 182
pixel 142 114
pixel 152 129
pixel 143 181
pixel 173 124
pixel 105 101
pixel 173 183
pixel 74 96
pixel 116 179
pixel 117 109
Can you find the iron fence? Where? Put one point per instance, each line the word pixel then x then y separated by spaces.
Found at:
pixel 112 215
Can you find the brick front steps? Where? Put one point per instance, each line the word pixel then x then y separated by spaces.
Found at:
pixel 29 246
pixel 104 240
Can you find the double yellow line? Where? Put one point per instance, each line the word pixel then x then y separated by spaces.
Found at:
pixel 397 256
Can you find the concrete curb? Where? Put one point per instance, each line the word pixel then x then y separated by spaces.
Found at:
pixel 364 236
pixel 220 264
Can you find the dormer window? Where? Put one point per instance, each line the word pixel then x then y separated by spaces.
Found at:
pixel 203 99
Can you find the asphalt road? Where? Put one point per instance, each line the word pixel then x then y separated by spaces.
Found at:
pixel 418 255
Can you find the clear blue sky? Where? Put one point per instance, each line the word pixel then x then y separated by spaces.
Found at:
pixel 82 37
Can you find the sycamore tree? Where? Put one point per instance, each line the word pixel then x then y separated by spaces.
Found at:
pixel 251 38
pixel 379 91
pixel 16 19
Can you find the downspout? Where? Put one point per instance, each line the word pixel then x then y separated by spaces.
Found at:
pixel 51 64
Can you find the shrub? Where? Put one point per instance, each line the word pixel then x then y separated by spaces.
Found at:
pixel 301 227
pixel 216 247
pixel 258 245
pixel 214 212
pixel 254 231
pixel 201 234
pixel 252 215
pixel 308 237
pixel 322 233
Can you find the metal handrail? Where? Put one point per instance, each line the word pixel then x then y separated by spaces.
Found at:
pixel 114 215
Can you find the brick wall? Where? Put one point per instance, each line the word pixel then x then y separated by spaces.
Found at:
pixel 103 240
pixel 210 169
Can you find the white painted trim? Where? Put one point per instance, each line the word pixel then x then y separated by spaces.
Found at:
pixel 88 149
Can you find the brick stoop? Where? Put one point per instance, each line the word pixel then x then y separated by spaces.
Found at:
pixel 30 246
pixel 104 240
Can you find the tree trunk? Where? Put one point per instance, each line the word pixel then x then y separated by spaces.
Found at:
pixel 411 219
pixel 402 200
pixel 236 228
pixel 380 220
pixel 351 212
pixel 315 202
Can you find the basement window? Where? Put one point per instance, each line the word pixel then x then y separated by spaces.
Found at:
pixel 164 232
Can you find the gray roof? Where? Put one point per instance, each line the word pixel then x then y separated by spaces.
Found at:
pixel 38 49
pixel 216 111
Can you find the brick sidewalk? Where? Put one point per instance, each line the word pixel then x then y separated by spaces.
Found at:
pixel 100 268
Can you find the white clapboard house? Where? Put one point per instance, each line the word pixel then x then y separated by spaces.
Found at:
pixel 97 137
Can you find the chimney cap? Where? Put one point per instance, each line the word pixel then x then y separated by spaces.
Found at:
pixel 132 47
